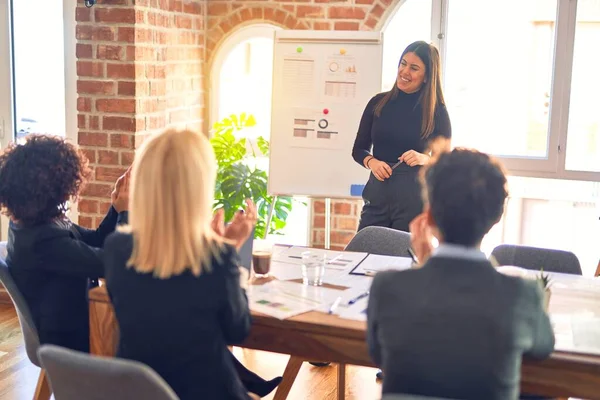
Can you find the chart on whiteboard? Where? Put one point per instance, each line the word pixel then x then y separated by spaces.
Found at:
pixel 314 129
pixel 341 78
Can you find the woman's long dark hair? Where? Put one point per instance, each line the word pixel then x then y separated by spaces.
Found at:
pixel 431 92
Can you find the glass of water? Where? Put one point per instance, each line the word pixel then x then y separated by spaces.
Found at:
pixel 313 268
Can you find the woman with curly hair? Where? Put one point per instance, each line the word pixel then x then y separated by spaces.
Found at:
pixel 49 257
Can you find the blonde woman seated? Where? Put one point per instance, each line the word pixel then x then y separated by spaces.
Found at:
pixel 173 274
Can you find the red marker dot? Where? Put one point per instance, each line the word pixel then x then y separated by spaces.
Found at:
pixel 325 111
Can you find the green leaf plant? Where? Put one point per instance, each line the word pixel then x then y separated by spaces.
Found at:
pixel 239 177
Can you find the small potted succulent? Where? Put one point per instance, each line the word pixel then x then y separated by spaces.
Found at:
pixel 545 283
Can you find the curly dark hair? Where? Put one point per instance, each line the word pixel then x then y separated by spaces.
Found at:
pixel 38 177
pixel 466 191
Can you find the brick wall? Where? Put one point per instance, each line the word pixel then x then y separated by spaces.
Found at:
pixel 140 69
pixel 225 16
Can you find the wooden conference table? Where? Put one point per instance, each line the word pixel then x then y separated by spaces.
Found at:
pixel 572 370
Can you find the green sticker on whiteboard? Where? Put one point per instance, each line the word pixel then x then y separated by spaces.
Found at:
pixel 298 49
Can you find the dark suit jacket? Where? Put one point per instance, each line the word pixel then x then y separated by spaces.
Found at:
pixel 51 264
pixel 181 326
pixel 455 328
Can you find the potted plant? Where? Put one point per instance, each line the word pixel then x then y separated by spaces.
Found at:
pixel 545 283
pixel 239 175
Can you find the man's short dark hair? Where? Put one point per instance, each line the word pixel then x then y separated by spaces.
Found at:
pixel 466 191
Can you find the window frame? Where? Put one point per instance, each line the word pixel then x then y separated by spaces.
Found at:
pixel 564 42
pixel 7 97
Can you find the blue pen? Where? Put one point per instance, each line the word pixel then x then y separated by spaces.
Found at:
pixel 357 298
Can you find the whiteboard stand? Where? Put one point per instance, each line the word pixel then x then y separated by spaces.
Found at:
pixel 327 223
pixel 270 216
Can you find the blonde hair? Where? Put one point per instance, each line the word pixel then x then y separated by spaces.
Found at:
pixel 170 205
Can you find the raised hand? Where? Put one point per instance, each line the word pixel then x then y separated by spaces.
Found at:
pixel 242 224
pixel 120 194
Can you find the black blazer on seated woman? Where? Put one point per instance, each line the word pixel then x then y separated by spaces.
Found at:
pixel 181 326
pixel 51 264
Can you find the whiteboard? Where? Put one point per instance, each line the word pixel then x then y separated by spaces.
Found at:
pixel 322 82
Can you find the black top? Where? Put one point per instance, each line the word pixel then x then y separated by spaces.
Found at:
pixel 456 329
pixel 397 129
pixel 51 264
pixel 181 326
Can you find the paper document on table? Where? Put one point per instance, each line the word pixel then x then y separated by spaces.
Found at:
pixel 272 301
pixel 340 260
pixel 323 295
pixel 375 263
pixel 356 311
pixel 285 271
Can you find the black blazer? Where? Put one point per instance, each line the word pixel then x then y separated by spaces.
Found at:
pixel 455 328
pixel 51 264
pixel 181 326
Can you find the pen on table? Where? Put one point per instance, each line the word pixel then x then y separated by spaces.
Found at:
pixel 357 298
pixel 413 255
pixel 335 305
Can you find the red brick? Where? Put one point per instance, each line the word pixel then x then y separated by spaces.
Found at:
pixel 183 22
pixel 114 2
pixel 84 104
pixel 343 12
pixel 83 14
pixel 85 221
pixel 90 69
pixel 87 206
pixel 106 52
pixel 126 34
pixel 319 221
pixel 96 139
pixel 97 190
pixel 346 223
pixel 120 106
pixel 371 23
pixel 126 88
pixel 321 26
pixel 346 26
pixel 341 238
pixel 125 124
pixel 94 122
pixel 377 11
pixel 108 157
pixel 310 11
pixel 318 206
pixel 218 7
pixel 127 157
pixel 120 71
pixel 115 15
pixel 364 1
pixel 84 51
pixel 342 208
pixel 140 17
pixel 106 174
pixel 95 87
pixel 81 121
pixel 257 13
pixel 90 154
pixel 192 7
pixel 96 33
pixel 118 140
pixel 318 237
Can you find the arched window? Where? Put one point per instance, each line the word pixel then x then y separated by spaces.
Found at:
pixel 241 82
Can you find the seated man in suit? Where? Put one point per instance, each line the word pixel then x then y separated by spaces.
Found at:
pixel 456 327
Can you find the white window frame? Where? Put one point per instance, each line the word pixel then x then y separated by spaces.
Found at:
pixel 554 165
pixel 7 123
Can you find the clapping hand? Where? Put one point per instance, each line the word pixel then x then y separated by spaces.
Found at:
pixel 120 194
pixel 240 227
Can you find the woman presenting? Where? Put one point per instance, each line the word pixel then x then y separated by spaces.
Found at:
pixel 404 127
